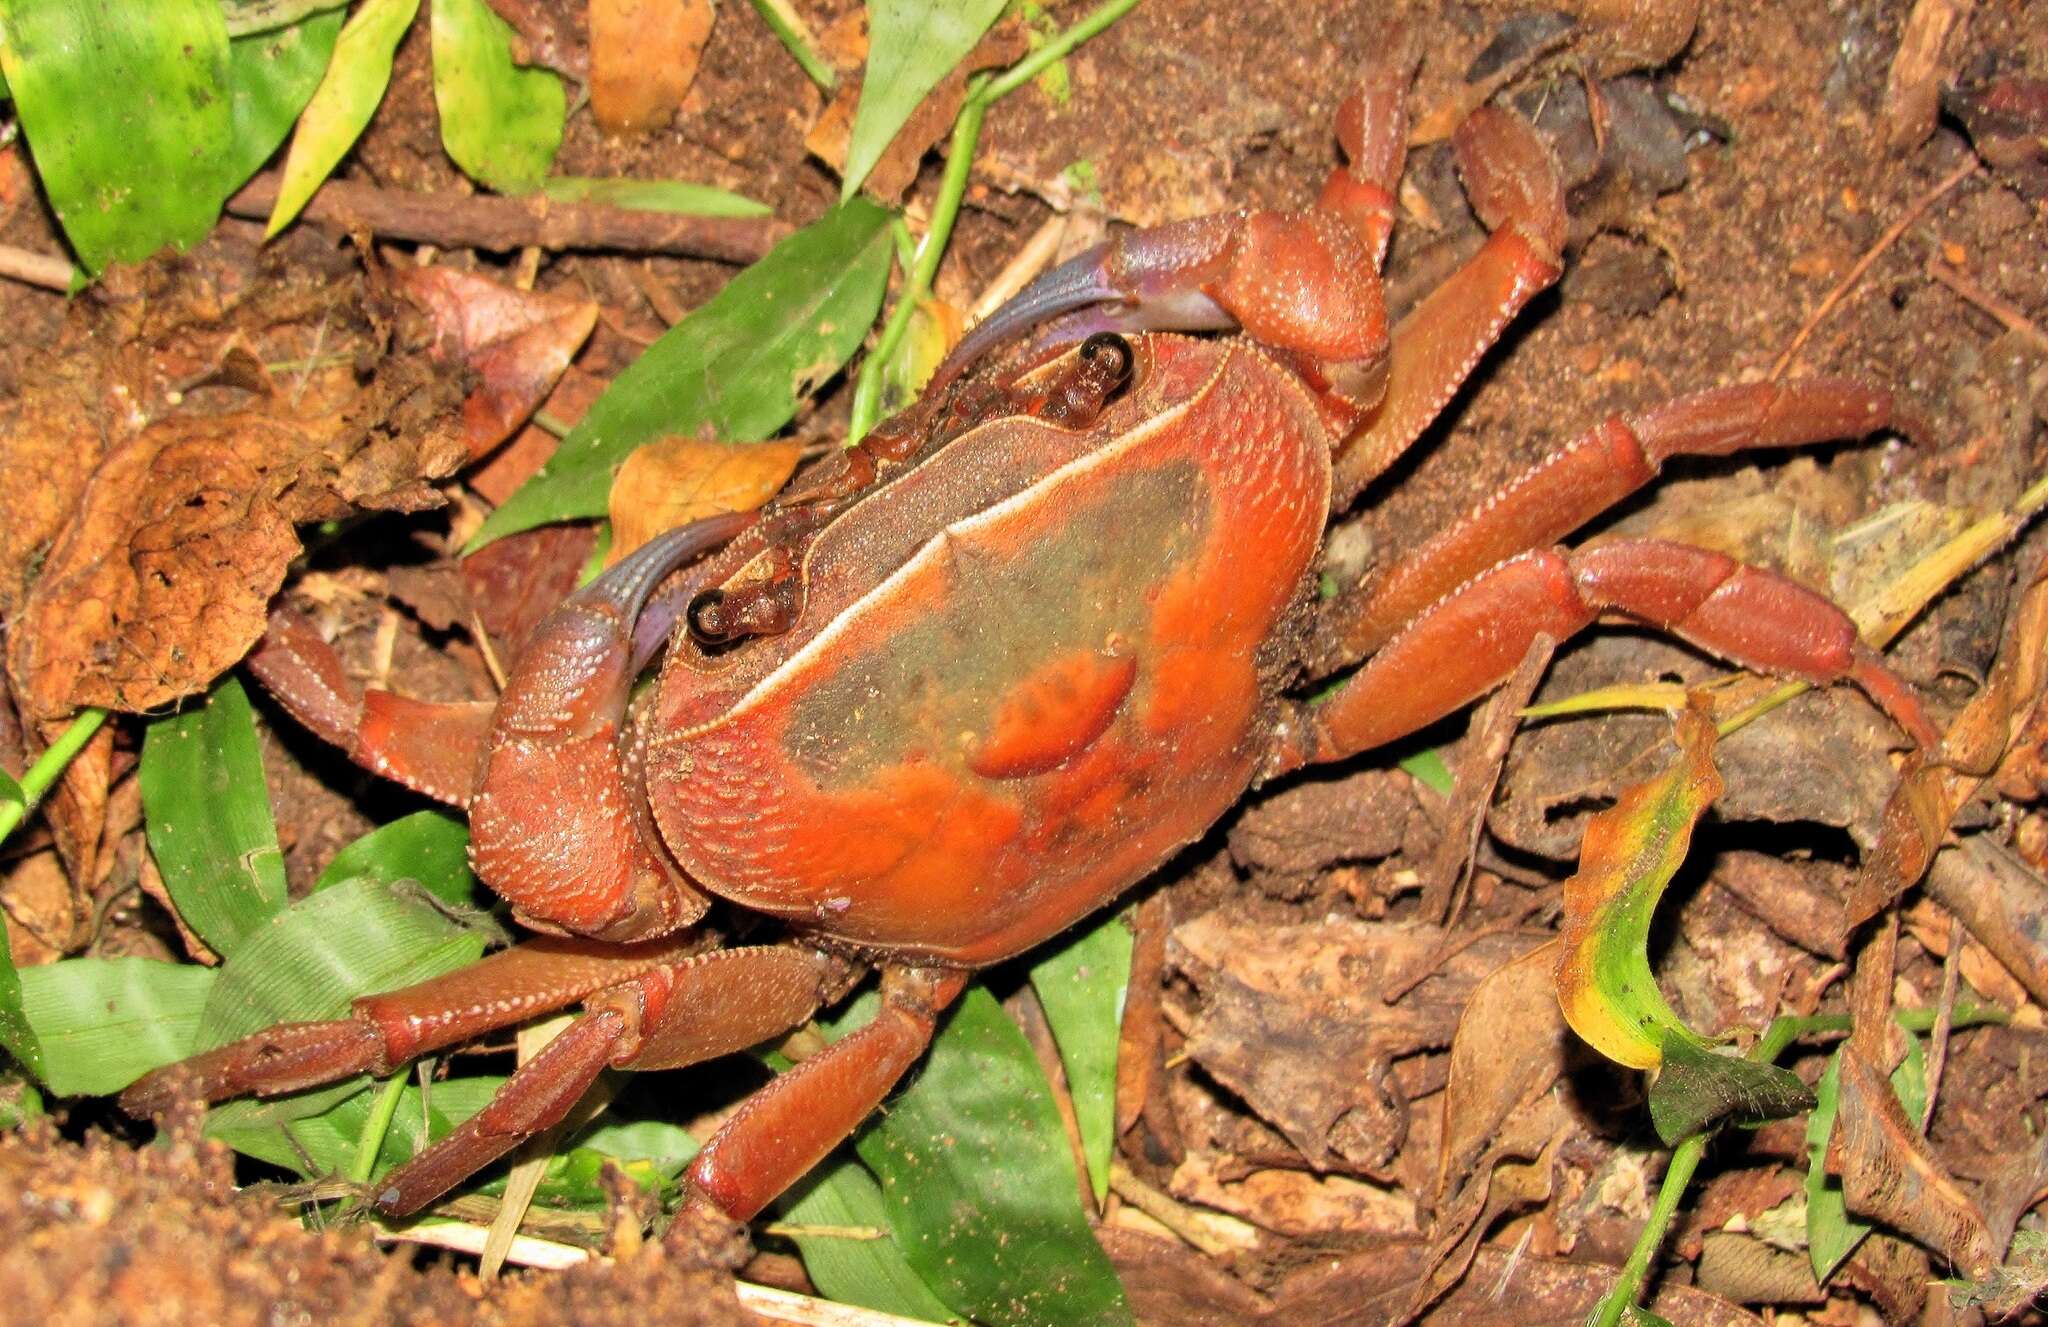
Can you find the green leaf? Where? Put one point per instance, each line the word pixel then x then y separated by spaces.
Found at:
pixel 326 1142
pixel 104 1022
pixel 870 1273
pixel 1082 986
pixel 1696 1088
pixel 308 962
pixel 126 109
pixel 19 1100
pixel 1831 1233
pixel 426 846
pixel 16 1033
pixel 501 123
pixel 11 793
pixel 912 44
pixel 271 76
pixel 979 1185
pixel 342 105
pixel 735 368
pixel 1428 769
pixel 679 196
pixel 245 17
pixel 209 820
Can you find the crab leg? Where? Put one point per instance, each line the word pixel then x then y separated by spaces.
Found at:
pixel 1472 639
pixel 430 748
pixel 1586 477
pixel 384 1031
pixel 788 1126
pixel 678 1014
pixel 1515 190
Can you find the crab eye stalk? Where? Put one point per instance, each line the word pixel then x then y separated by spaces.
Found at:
pixel 710 622
pixel 1099 372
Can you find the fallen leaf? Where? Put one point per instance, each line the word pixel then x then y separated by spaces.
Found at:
pixel 643 58
pixel 1508 1050
pixel 678 480
pixel 1293 1202
pixel 1889 1175
pixel 499 475
pixel 516 581
pixel 161 579
pixel 517 341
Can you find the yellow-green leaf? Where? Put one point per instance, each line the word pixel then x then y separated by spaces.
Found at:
pixel 343 103
pixel 1630 852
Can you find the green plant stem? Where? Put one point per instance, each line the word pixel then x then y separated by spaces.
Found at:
pixel 982 93
pixel 371 1145
pixel 789 29
pixel 1685 1159
pixel 1789 1028
pixel 49 766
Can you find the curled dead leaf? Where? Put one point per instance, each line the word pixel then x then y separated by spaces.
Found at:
pixel 1889 1175
pixel 678 480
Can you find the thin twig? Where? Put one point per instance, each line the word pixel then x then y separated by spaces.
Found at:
pixel 47 270
pixel 1863 264
pixel 480 221
pixel 1944 1020
pixel 2010 317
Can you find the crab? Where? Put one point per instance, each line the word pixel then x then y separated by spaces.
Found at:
pixel 1000 660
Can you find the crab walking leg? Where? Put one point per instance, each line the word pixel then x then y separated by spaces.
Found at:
pixel 1514 188
pixel 557 825
pixel 787 1127
pixel 1472 639
pixel 384 1031
pixel 1584 478
pixel 430 748
pixel 677 1014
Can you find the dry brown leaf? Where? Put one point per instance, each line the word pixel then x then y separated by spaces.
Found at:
pixel 515 581
pixel 1500 1184
pixel 160 581
pixel 518 343
pixel 1293 1202
pixel 643 58
pixel 678 480
pixel 1888 1174
pixel 40 909
pixel 501 473
pixel 1509 1049
pixel 77 809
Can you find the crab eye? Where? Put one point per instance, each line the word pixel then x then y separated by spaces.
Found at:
pixel 709 622
pixel 1109 359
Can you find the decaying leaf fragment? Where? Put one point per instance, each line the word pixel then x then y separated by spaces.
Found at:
pixel 1889 1175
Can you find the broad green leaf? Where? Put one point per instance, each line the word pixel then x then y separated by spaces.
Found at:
pixel 669 1147
pixel 1082 986
pixel 734 369
pixel 979 1186
pixel 342 105
pixel 16 1034
pixel 327 1141
pixel 912 44
pixel 1696 1088
pixel 501 123
pixel 270 78
pixel 209 821
pixel 871 1273
pixel 308 962
pixel 426 846
pixel 1629 854
pixel 1428 769
pixel 679 196
pixel 104 1022
pixel 126 109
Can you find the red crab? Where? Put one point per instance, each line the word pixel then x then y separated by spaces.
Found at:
pixel 1019 645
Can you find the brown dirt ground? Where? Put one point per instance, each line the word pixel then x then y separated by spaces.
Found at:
pixel 1182 107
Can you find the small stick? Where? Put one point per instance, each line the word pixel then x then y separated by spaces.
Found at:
pixel 480 221
pixel 2013 320
pixel 35 269
pixel 1944 1020
pixel 1884 242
